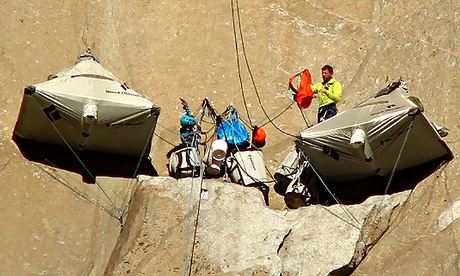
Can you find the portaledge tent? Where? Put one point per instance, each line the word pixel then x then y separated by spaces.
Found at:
pixel 385 133
pixel 87 108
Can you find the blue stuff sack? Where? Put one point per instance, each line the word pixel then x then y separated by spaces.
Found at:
pixel 187 120
pixel 233 131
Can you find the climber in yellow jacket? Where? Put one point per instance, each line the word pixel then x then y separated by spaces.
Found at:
pixel 328 92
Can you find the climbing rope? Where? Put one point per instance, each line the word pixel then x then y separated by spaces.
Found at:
pixel 141 157
pixel 399 155
pixel 188 258
pixel 342 206
pixel 78 158
pixel 235 6
pixel 164 140
pixel 112 212
pixel 304 118
pixel 394 222
pixel 195 226
pixel 237 51
pixel 272 118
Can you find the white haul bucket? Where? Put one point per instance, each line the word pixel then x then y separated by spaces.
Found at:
pixel 215 157
pixel 213 166
pixel 213 169
pixel 248 167
pixel 219 149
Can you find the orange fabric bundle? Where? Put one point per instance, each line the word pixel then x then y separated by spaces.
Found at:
pixel 259 137
pixel 304 93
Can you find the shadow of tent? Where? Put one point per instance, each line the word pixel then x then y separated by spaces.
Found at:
pixel 355 192
pixel 96 163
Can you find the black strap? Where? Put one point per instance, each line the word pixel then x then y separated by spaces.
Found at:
pixel 188 152
pixel 189 167
pixel 179 161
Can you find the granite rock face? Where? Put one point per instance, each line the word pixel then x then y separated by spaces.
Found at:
pixel 208 227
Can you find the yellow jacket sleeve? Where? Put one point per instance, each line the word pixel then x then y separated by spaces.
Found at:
pixel 335 92
pixel 316 87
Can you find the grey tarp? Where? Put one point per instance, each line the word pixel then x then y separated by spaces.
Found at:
pixel 87 107
pixel 380 125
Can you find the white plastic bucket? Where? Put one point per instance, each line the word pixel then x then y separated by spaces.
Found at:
pixel 213 169
pixel 219 149
pixel 213 166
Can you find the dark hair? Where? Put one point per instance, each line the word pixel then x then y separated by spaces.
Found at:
pixel 328 68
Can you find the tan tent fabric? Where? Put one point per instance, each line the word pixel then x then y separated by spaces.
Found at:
pixel 88 108
pixel 381 123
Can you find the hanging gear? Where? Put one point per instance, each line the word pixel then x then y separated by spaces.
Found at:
pixel 303 94
pixel 185 162
pixel 258 137
pixel 187 120
pixel 233 131
pixel 248 169
pixel 190 136
pixel 190 130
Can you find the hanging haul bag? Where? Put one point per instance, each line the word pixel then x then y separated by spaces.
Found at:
pixel 233 131
pixel 288 168
pixel 185 163
pixel 248 169
pixel 302 188
pixel 259 137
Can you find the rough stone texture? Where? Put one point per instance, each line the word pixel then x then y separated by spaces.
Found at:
pixel 235 232
pixel 48 229
pixel 169 49
pixel 152 241
pixel 231 235
pixel 326 237
pixel 449 216
pixel 373 228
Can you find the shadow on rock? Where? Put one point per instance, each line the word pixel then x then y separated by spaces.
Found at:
pixel 311 190
pixel 88 164
pixel 355 192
